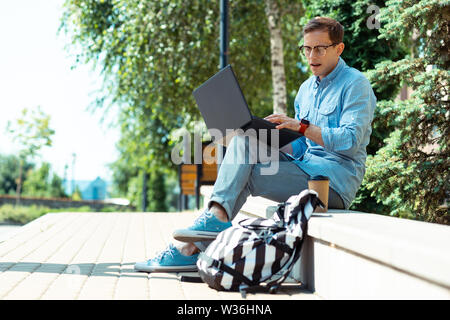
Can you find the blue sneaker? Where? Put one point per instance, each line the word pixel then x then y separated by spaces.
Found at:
pixel 205 227
pixel 169 260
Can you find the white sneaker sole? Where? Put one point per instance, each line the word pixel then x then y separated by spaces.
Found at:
pixel 186 235
pixel 142 266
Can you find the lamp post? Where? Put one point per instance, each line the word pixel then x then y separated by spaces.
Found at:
pixel 223 33
pixel 223 56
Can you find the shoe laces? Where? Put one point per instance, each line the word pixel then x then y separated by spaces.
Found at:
pixel 203 218
pixel 169 251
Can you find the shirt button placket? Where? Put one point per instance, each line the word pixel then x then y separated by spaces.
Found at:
pixel 316 105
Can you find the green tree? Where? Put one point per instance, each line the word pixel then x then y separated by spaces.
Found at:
pixel 37 181
pixel 56 187
pixel 410 173
pixel 41 183
pixel 157 195
pixel 9 171
pixel 31 132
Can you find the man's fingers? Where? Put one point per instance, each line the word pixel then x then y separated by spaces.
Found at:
pixel 289 125
pixel 274 115
pixel 277 118
pixel 270 117
pixel 273 119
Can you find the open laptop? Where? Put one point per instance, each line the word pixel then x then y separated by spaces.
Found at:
pixel 223 106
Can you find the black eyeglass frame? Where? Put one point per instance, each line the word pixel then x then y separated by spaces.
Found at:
pixel 313 48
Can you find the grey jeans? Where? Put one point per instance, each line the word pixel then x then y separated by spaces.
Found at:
pixel 244 172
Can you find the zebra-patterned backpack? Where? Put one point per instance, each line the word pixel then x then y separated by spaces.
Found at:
pixel 253 251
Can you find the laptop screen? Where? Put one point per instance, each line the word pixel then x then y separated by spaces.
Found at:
pixel 221 102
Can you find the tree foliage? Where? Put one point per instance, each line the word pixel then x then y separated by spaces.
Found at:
pixel 31 131
pixel 411 172
pixel 37 182
pixel 42 183
pixel 9 173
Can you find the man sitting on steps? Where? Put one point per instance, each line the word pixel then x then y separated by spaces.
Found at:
pixel 334 111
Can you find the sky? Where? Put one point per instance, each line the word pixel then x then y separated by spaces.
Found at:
pixel 35 70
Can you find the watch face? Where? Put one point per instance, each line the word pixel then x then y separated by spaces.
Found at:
pixel 305 121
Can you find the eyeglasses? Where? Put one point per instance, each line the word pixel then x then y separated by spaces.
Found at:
pixel 320 50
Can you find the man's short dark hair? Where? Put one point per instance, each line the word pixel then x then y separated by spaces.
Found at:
pixel 334 28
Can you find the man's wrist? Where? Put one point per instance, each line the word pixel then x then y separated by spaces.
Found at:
pixel 304 124
pixel 306 130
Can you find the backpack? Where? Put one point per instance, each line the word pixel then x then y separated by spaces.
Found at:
pixel 256 249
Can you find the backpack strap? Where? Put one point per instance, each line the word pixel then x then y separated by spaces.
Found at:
pixel 280 210
pixel 256 228
pixel 281 246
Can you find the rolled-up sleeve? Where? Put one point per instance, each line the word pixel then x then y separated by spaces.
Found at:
pixel 355 120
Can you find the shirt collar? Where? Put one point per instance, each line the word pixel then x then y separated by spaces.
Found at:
pixel 339 66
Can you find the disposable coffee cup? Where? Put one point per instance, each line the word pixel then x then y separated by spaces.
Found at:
pixel 321 185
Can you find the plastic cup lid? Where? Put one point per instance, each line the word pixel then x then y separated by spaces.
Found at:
pixel 318 178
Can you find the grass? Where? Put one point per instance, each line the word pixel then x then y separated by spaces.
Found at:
pixel 24 214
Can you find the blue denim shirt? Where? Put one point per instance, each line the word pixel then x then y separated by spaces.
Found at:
pixel 342 104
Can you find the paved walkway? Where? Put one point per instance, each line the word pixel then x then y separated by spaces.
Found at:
pixel 91 256
pixel 6 230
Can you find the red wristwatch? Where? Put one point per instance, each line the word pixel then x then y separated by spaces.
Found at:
pixel 304 124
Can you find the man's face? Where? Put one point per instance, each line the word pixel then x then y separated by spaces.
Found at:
pixel 322 65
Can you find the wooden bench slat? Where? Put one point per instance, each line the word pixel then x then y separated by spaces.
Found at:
pixel 188 176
